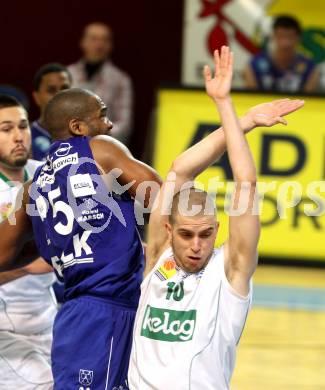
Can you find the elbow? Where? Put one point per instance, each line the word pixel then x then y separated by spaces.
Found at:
pixel 182 172
pixel 176 167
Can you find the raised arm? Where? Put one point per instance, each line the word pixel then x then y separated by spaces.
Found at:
pixel 111 154
pixel 244 228
pixel 199 157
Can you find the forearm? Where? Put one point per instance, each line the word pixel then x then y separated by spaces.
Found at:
pixel 9 276
pixel 17 256
pixel 200 156
pixel 239 154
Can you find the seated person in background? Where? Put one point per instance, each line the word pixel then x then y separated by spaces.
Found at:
pixel 49 80
pixel 282 68
pixel 96 72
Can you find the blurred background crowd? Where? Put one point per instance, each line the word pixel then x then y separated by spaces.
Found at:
pixel 125 51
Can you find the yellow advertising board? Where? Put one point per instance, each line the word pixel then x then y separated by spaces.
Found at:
pixel 290 163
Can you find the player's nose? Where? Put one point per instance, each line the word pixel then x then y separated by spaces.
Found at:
pixel 17 135
pixel 196 244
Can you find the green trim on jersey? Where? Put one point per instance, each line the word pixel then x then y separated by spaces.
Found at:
pixel 8 181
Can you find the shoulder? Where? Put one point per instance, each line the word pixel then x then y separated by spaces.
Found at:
pixel 108 152
pixel 32 165
pixel 261 61
pixel 75 66
pixel 304 64
pixel 107 143
pixel 165 265
pixel 117 72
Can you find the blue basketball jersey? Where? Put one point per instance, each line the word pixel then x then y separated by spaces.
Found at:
pixel 84 229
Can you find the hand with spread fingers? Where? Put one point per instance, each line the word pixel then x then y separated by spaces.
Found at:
pixel 271 113
pixel 218 86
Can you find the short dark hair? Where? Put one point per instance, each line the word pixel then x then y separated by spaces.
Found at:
pixel 7 101
pixel 286 21
pixel 66 105
pixel 53 67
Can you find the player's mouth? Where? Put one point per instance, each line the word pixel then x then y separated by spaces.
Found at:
pixel 194 258
pixel 19 150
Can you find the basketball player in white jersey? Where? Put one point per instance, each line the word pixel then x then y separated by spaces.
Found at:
pixel 194 298
pixel 27 303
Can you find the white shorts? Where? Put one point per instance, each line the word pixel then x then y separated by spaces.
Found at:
pixel 25 361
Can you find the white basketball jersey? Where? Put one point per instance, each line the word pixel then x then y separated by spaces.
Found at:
pixel 27 305
pixel 187 328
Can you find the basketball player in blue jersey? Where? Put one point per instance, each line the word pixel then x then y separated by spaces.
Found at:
pixel 87 232
pixel 89 235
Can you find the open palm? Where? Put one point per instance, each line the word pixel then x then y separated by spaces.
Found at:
pixel 269 114
pixel 218 87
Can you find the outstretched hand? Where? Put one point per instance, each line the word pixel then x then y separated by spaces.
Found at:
pixel 218 87
pixel 269 114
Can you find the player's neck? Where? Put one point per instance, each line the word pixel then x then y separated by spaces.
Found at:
pixel 12 174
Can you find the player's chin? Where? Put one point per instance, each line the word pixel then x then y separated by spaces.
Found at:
pixel 20 161
pixel 194 264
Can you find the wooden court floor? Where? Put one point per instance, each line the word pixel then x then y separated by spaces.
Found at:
pixel 283 344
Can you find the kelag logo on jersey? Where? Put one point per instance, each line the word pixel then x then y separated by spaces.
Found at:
pixel 168 325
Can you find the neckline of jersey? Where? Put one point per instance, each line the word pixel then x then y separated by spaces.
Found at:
pixel 9 182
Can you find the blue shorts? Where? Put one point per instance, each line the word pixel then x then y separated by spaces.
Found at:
pixel 92 340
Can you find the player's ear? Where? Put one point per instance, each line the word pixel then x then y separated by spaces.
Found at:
pixel 78 127
pixel 36 98
pixel 168 228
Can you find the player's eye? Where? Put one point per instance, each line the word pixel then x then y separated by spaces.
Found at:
pixel 185 234
pixel 5 129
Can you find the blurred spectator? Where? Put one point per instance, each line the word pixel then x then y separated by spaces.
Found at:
pixel 49 80
pixel 96 72
pixel 281 67
pixel 321 86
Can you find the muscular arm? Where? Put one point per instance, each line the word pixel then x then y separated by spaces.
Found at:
pixel 16 249
pixel 37 267
pixel 244 228
pixel 111 154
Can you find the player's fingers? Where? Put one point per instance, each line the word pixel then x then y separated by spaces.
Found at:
pixel 291 106
pixel 217 63
pixel 224 58
pixel 231 61
pixel 207 73
pixel 281 120
pixel 279 101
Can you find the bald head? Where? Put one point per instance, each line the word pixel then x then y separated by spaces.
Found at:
pixel 192 202
pixel 74 103
pixel 96 42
